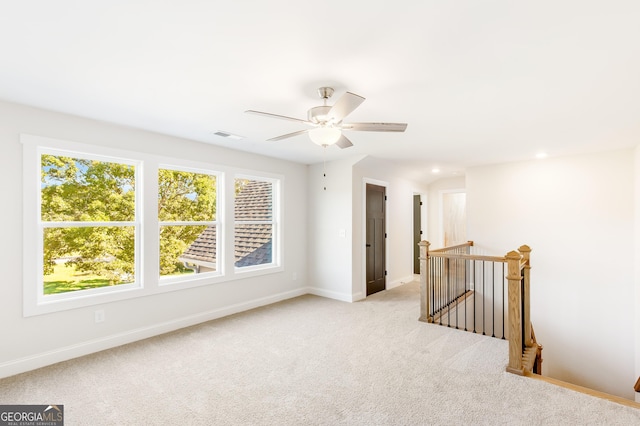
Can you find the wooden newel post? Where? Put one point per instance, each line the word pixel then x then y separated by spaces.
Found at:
pixel 515 317
pixel 424 281
pixel 526 296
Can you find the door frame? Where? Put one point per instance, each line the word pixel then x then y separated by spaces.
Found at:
pixel 424 214
pixel 363 239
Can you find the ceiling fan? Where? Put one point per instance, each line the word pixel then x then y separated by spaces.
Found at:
pixel 326 120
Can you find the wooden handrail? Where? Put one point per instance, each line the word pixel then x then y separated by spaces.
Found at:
pixel 467 244
pixel 469 256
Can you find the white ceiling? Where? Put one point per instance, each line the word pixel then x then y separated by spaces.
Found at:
pixel 478 82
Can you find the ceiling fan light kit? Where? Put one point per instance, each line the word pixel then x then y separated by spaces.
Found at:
pixel 325 136
pixel 326 121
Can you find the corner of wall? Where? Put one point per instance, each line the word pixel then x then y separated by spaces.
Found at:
pixel 636 189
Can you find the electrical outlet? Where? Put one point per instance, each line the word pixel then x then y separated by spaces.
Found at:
pixel 294 276
pixel 99 315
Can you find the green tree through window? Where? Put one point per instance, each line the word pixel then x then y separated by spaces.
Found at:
pixel 88 216
pixel 186 207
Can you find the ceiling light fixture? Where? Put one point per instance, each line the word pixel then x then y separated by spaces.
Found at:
pixel 325 136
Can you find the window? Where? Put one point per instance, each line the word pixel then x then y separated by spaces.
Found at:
pixel 254 222
pixel 104 224
pixel 187 203
pixel 87 226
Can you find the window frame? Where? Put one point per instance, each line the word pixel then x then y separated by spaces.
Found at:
pixel 35 302
pixel 147 274
pixel 274 222
pixel 171 280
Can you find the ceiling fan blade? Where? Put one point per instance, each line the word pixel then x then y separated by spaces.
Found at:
pixel 344 106
pixel 289 135
pixel 375 127
pixel 282 117
pixel 343 142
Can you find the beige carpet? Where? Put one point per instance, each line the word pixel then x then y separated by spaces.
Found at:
pixel 309 361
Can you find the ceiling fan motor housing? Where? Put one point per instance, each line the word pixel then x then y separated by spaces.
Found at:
pixel 325 92
pixel 319 114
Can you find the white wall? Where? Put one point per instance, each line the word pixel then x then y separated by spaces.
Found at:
pixel 577 214
pixel 637 266
pixel 35 341
pixel 330 229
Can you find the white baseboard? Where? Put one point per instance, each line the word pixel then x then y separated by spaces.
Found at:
pixel 43 359
pixel 358 296
pixel 399 282
pixel 344 297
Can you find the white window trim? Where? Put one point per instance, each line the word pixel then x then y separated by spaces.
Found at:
pixel 147 274
pixel 34 301
pixel 42 225
pixel 219 219
pixel 274 222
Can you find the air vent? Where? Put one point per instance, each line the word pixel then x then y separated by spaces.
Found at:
pixel 227 135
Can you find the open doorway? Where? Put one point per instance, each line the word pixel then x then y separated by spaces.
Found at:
pixel 454 217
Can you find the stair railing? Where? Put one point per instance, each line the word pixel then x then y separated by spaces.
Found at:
pixel 481 293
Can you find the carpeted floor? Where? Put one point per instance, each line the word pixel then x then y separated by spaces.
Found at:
pixel 310 361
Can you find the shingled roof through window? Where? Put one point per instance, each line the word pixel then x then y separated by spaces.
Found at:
pixel 253 242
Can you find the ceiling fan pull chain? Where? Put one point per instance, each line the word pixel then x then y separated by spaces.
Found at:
pixel 324 166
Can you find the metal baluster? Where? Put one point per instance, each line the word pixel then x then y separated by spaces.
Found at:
pixel 493 299
pixel 430 284
pixel 522 308
pixel 440 287
pixel 448 292
pixel 484 292
pixel 504 284
pixel 435 283
pixel 455 293
pixel 440 262
pixel 475 307
pixel 467 279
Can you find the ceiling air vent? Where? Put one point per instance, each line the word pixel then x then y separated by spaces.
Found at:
pixel 227 135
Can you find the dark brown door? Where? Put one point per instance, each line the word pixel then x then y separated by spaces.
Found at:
pixel 417 233
pixel 375 242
